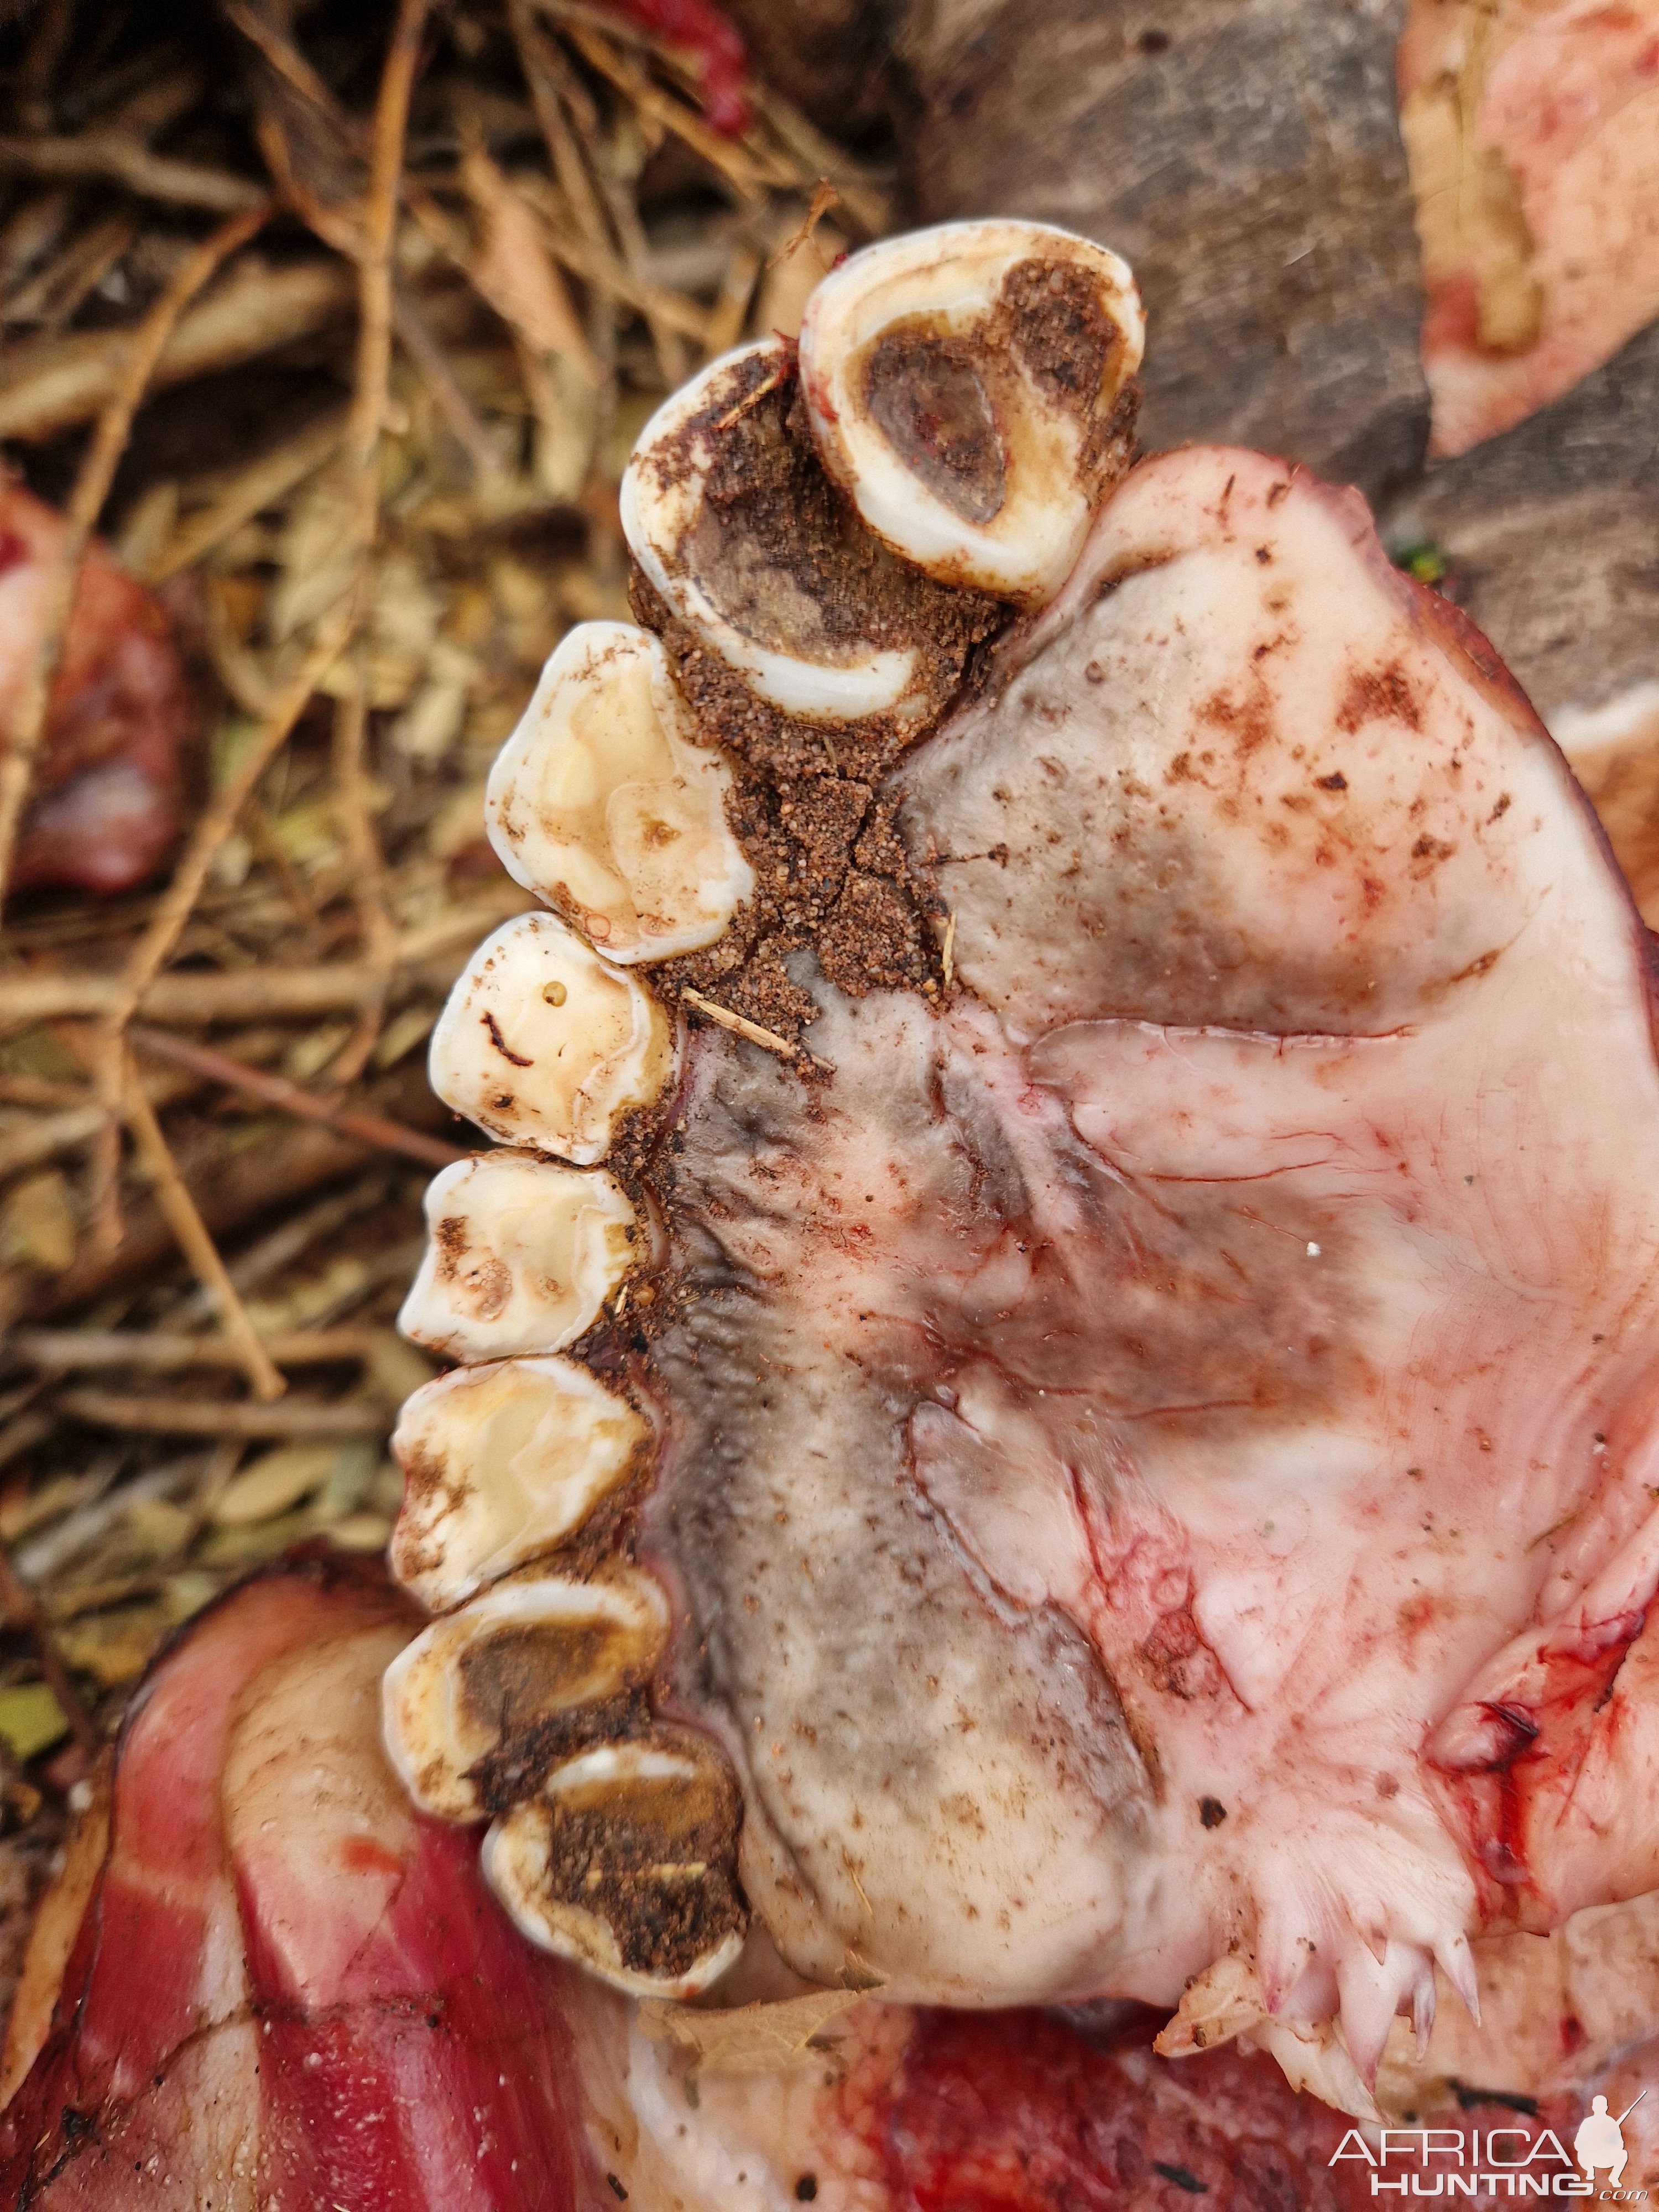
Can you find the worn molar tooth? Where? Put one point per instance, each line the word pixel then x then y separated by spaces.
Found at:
pixel 478 1707
pixel 544 1043
pixel 966 386
pixel 601 804
pixel 500 1464
pixel 521 1255
pixel 624 1863
pixel 729 513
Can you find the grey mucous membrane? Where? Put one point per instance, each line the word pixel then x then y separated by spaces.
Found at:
pixel 1056 1396
pixel 838 530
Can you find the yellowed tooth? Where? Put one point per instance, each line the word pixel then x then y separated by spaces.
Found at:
pixel 960 384
pixel 544 1043
pixel 501 1463
pixel 734 527
pixel 601 804
pixel 624 1863
pixel 521 1255
pixel 479 1704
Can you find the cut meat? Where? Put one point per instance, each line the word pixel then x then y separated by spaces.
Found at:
pixel 106 807
pixel 1154 1426
pixel 1532 133
pixel 287 1990
pixel 1119 1418
pixel 364 2040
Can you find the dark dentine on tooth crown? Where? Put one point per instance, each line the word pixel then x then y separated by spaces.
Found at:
pixel 791 563
pixel 935 393
pixel 653 1858
pixel 830 871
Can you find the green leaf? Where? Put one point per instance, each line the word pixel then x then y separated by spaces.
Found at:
pixel 31 1719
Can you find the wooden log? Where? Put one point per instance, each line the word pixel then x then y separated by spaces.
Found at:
pixel 1246 155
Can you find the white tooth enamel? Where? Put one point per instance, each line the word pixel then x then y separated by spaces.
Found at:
pixel 544 1043
pixel 669 525
pixel 521 1255
pixel 558 1645
pixel 501 1463
pixel 947 284
pixel 600 802
pixel 517 1857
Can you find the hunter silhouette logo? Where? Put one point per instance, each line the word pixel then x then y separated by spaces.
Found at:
pixel 1599 2145
pixel 1510 2160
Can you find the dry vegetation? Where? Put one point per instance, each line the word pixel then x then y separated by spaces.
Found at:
pixel 339 329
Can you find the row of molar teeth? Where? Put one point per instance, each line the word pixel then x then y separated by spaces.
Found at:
pixel 962 391
pixel 600 803
pixel 529 1697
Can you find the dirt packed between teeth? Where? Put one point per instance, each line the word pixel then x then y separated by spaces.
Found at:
pixel 832 873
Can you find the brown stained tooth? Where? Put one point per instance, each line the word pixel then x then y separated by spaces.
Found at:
pixel 542 1044
pixel 479 1706
pixel 728 512
pixel 500 1464
pixel 966 386
pixel 624 1862
pixel 522 1256
pixel 601 802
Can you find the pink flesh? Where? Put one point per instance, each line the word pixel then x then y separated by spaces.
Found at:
pixel 288 1991
pixel 387 2045
pixel 1139 1427
pixel 1569 99
pixel 105 808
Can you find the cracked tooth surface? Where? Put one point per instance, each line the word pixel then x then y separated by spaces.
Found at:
pixel 623 1862
pixel 521 1255
pixel 501 1463
pixel 479 1706
pixel 544 1043
pixel 727 510
pixel 600 802
pixel 963 384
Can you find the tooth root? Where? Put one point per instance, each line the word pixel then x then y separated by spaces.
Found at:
pixel 484 1701
pixel 503 1463
pixel 729 514
pixel 601 804
pixel 521 1256
pixel 625 1863
pixel 544 1043
pixel 962 384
